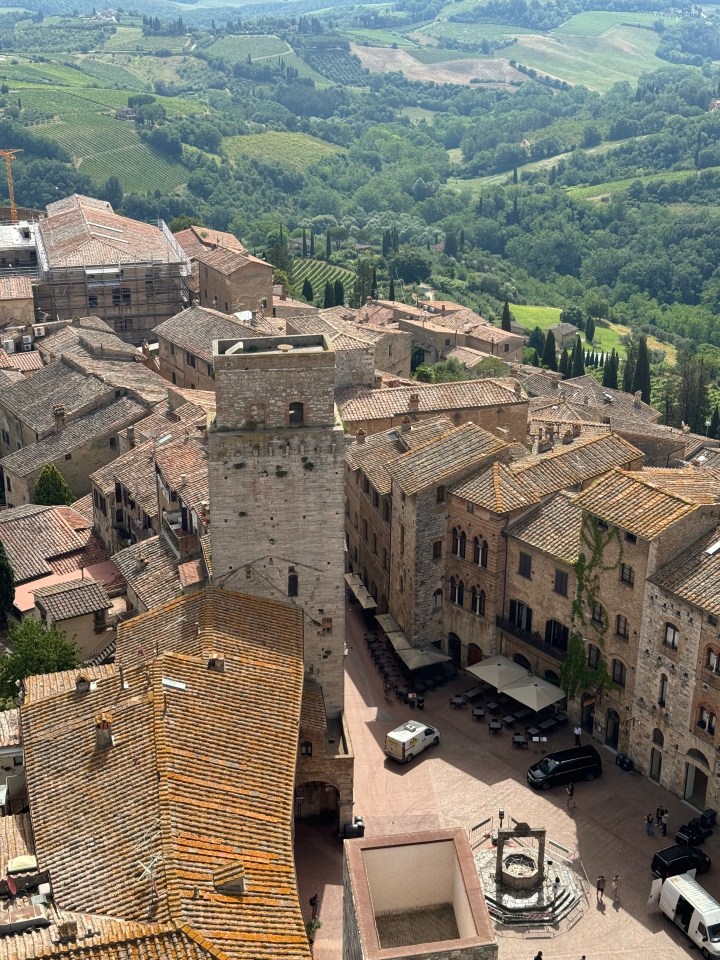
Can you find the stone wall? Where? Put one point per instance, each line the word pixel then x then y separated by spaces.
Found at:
pixel 368 555
pixel 248 288
pixel 176 367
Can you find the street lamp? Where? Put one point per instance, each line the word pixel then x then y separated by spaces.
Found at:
pixel 501 817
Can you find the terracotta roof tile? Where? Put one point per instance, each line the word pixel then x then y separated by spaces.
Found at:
pixel 648 502
pixel 196 240
pixel 694 574
pixel 84 506
pixel 15 288
pixel 150 569
pixel 359 404
pixel 553 527
pixel 195 329
pixel 75 598
pixel 497 489
pixel 24 361
pixel 587 391
pixel 227 261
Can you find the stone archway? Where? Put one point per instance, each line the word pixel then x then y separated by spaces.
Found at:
pixel 696 779
pixel 475 654
pixel 317 801
pixel 612 729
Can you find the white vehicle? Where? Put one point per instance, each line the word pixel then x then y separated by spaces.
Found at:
pixel 691 908
pixel 405 742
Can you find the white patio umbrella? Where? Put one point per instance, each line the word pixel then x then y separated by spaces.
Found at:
pixel 533 692
pixel 498 671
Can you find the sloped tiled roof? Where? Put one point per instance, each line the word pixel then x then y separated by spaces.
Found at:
pixel 227 262
pixel 43 540
pixel 378 452
pixel 468 357
pixel 359 405
pixel 497 489
pixel 83 232
pixel 25 361
pixel 84 506
pixel 150 570
pixel 587 391
pixel 196 240
pixel 648 502
pixel 105 422
pixel 15 288
pixel 209 801
pixel 694 574
pixel 135 470
pixel 183 465
pixel 195 329
pixel 553 527
pixel 75 598
pixel 439 460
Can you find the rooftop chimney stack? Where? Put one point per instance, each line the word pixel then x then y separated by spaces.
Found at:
pixel 103 731
pixel 59 414
pixel 360 436
pixel 131 436
pixel 414 401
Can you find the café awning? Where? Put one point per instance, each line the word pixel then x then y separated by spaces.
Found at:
pixel 534 692
pixel 386 622
pixel 359 591
pixel 498 671
pixel 415 658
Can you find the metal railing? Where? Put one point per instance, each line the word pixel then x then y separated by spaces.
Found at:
pixel 531 637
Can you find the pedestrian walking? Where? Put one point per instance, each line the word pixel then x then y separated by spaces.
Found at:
pixel 649 825
pixel 570 791
pixel 577 731
pixel 600 888
pixel 615 885
pixel 538 955
pixel 555 889
pixel 664 822
pixel 314 905
pixel 658 815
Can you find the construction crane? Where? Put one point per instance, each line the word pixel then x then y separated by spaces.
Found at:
pixel 9 156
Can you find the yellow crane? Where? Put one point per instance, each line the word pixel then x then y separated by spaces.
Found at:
pixel 9 156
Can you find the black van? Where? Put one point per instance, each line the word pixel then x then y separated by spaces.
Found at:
pixel 679 859
pixel 578 763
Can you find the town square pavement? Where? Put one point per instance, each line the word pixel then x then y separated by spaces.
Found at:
pixel 470 777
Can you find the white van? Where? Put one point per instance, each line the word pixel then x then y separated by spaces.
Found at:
pixel 691 908
pixel 406 741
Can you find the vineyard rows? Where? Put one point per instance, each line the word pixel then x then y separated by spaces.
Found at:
pixel 138 168
pixel 339 66
pixel 295 150
pixel 235 49
pixel 318 273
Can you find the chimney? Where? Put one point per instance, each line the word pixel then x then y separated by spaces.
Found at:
pixel 518 389
pixel 442 308
pixel 378 382
pixel 406 425
pixel 360 436
pixel 638 398
pixel 103 731
pixel 131 436
pixel 59 414
pixel 196 302
pixel 183 479
pixel 414 401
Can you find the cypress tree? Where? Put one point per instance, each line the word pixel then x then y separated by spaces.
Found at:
pixel 461 243
pixel 590 330
pixel 641 373
pixel 339 291
pixel 329 299
pixel 373 284
pixel 391 292
pixel 565 364
pixel 627 377
pixel 450 247
pixel 601 361
pixel 505 323
pixel 610 371
pixel 312 243
pixel 578 367
pixel 307 290
pixel 328 246
pixel 549 358
pixel 51 488
pixel 535 361
pixel 714 424
pixel 304 243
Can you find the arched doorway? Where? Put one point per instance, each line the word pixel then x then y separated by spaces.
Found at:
pixel 612 729
pixel 317 802
pixel 475 654
pixel 696 780
pixel 552 678
pixel 522 661
pixel 655 764
pixel 455 649
pixel 587 715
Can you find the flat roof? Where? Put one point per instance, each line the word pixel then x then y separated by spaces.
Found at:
pixel 303 343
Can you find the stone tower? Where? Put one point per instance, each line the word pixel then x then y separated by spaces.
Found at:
pixel 276 465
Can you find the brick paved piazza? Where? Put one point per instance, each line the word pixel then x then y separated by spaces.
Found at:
pixel 469 777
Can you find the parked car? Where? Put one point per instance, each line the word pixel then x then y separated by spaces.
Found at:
pixel 681 858
pixel 565 766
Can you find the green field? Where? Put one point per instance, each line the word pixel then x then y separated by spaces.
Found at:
pixel 110 74
pixel 303 69
pixel 237 49
pixel 439 55
pixel 22 70
pixel 621 53
pixel 378 38
pixel 131 38
pixel 602 190
pixel 596 22
pixel 418 113
pixel 318 273
pixel 606 338
pixel 293 150
pixel 472 32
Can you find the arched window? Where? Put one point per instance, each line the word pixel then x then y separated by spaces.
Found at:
pixel 593 660
pixel 476 550
pixel 712 659
pixel 523 661
pixel 658 738
pixel 463 543
pixel 706 720
pixel 619 673
pixel 480 552
pixel 306 748
pixel 552 678
pixel 478 602
pixel 662 690
pixel 460 593
pixel 437 600
pixel 484 554
pixel 293 583
pixel 455 541
pixel 453 590
pixel 296 414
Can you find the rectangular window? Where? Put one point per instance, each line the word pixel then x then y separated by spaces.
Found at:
pixel 386 511
pixel 618 673
pixel 376 499
pixel 366 485
pixel 402 538
pixel 437 550
pixel 440 495
pixel 364 529
pixel 561 582
pixel 92 301
pixel 525 565
pixel 627 574
pixel 6 438
pixel 470 507
pixel 375 544
pixel 593 660
pixel 121 297
pixel 521 615
pixel 597 614
pixel 190 358
pixel 8 483
pixel 621 627
pixel 556 634
pixel 671 636
pixel 631 538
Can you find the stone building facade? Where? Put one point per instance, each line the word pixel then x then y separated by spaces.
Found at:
pixel 232 280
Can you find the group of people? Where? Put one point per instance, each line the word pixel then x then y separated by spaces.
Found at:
pixel 659 820
pixel 614 886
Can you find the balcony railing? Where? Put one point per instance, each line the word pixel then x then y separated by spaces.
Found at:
pixel 183 542
pixel 531 637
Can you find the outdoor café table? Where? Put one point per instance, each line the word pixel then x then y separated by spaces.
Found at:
pixel 458 701
pixel 503 698
pixel 520 741
pixel 478 713
pixel 533 732
pixel 509 720
pixel 472 693
pixel 495 727
pixel 401 693
pixel 548 725
pixel 411 700
pixel 522 714
pixel 492 706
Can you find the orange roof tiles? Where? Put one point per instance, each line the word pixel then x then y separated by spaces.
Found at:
pixel 359 404
pixel 694 575
pixel 553 527
pixel 15 288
